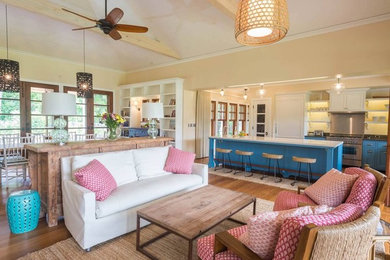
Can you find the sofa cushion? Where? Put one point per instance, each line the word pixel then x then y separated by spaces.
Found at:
pixel 263 229
pixel 292 227
pixel 120 164
pixel 332 188
pixel 179 161
pixel 95 177
pixel 290 199
pixel 150 162
pixel 363 190
pixel 143 191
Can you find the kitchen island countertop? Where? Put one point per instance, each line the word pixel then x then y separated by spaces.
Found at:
pixel 282 141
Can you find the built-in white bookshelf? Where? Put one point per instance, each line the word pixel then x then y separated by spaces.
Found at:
pixel 167 91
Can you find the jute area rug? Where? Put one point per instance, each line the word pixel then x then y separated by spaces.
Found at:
pixel 285 183
pixel 170 247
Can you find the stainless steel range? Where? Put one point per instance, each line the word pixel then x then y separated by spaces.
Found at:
pixel 348 128
pixel 352 148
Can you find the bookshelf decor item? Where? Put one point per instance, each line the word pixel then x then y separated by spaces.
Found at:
pixel 152 111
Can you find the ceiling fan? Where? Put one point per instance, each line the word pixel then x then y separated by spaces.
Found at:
pixel 109 25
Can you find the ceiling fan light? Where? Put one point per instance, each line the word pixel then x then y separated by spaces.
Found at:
pixel 222 92
pixel 84 84
pixel 9 76
pixel 260 22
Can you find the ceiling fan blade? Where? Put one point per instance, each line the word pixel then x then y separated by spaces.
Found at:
pixel 115 34
pixel 131 28
pixel 114 16
pixel 84 28
pixel 90 19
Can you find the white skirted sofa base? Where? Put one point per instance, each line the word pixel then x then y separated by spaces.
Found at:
pixel 92 222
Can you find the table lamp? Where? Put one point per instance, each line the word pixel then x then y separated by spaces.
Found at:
pixel 152 111
pixel 59 104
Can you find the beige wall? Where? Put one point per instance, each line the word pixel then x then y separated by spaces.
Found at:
pixel 360 50
pixel 56 71
pixel 189 113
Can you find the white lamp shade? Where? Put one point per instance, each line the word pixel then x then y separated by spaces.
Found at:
pixel 152 110
pixel 58 104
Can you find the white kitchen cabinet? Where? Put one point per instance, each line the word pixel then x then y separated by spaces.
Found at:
pixel 350 100
pixel 290 116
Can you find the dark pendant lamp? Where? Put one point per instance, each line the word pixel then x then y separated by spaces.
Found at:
pixel 9 69
pixel 84 79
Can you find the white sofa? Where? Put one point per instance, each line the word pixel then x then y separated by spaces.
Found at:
pixel 140 178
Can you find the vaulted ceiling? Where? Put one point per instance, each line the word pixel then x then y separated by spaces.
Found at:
pixel 178 29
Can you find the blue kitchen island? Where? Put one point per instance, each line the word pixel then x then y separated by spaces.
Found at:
pixel 328 153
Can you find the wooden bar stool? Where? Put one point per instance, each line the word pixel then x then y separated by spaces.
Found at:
pixel 309 162
pixel 276 158
pixel 243 155
pixel 224 152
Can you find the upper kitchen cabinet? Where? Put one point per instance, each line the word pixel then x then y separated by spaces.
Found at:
pixel 350 100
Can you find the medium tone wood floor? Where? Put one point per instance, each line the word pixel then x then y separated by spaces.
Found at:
pixel 13 246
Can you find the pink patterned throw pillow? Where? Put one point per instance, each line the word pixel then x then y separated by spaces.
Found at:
pixel 363 190
pixel 332 188
pixel 292 227
pixel 263 229
pixel 179 161
pixel 95 177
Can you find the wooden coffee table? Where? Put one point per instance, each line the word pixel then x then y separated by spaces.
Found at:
pixel 192 214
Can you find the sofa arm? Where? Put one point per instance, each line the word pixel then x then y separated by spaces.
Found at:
pixel 202 171
pixel 78 201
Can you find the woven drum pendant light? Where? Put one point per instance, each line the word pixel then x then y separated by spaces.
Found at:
pixel 84 79
pixel 9 69
pixel 260 22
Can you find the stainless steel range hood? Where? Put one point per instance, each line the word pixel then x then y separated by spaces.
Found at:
pixel 347 123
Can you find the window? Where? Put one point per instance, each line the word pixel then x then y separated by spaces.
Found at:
pixel 10 113
pixel 21 113
pixel 242 118
pixel 228 118
pixel 213 111
pixel 221 118
pixel 86 122
pixel 77 124
pixel 102 103
pixel 232 119
pixel 32 120
pixel 39 123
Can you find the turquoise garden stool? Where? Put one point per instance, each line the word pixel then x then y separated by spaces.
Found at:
pixel 23 211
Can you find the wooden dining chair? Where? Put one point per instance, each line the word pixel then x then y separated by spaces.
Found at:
pixel 85 137
pixel 14 156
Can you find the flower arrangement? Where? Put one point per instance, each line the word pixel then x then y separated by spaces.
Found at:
pixel 112 121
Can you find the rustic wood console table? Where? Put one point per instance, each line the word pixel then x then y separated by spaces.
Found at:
pixel 45 166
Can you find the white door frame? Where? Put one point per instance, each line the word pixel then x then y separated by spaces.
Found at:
pixel 268 116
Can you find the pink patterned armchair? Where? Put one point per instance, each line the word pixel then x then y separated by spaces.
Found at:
pixel 304 238
pixel 367 188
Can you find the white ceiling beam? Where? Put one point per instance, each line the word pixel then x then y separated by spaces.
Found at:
pixel 47 8
pixel 229 7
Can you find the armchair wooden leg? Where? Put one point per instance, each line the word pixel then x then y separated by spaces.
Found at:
pixel 387 251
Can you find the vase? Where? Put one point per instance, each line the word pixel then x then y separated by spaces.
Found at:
pixel 113 133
